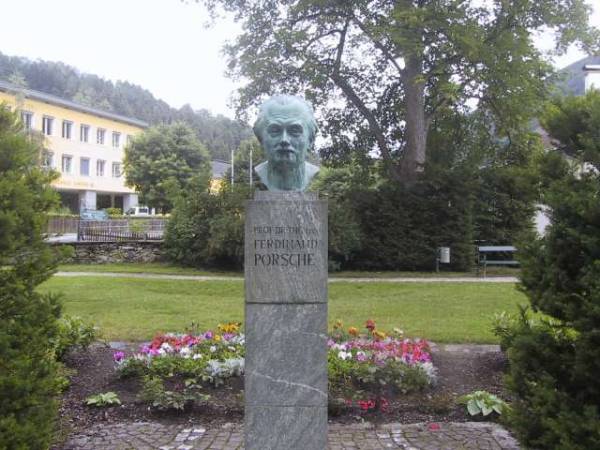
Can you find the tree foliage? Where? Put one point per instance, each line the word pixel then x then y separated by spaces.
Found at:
pixel 27 318
pixel 218 133
pixel 207 229
pixel 163 160
pixel 382 70
pixel 554 365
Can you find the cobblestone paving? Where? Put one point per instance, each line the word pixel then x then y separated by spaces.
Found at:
pixel 433 436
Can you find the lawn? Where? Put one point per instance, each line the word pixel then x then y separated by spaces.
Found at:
pixel 165 268
pixel 135 309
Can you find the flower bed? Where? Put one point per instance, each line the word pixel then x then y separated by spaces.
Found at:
pixel 364 369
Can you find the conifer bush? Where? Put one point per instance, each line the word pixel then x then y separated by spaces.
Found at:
pixel 555 359
pixel 28 380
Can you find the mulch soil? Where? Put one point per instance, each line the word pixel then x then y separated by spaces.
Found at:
pixel 93 372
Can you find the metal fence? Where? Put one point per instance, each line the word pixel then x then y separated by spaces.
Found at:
pixel 62 225
pixel 121 230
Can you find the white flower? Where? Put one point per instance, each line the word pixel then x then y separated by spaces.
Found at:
pixel 231 348
pixel 185 351
pixel 344 355
pixel 213 348
pixel 166 347
pixel 161 351
pixel 431 371
pixel 197 356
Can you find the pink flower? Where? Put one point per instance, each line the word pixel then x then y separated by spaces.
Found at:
pixel 434 426
pixel 361 356
pixel 118 356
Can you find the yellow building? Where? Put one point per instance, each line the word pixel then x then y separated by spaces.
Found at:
pixel 85 145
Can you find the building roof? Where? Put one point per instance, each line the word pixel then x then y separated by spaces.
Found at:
pixel 52 99
pixel 573 76
pixel 220 169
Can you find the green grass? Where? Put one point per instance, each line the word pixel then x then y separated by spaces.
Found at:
pixel 158 268
pixel 136 309
pixel 164 268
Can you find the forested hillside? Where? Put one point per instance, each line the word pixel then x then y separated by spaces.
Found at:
pixel 220 134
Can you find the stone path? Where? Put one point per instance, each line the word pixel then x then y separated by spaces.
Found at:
pixel 421 436
pixel 161 276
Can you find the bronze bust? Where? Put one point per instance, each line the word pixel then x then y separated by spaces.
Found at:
pixel 286 129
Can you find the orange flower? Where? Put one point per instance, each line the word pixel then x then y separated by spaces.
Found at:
pixel 353 331
pixel 370 325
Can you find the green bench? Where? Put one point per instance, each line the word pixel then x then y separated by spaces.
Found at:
pixel 491 255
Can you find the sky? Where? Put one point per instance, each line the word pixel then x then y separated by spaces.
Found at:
pixel 161 45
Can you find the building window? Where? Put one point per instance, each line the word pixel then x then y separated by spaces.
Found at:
pixel 100 168
pixel 47 123
pixel 116 137
pixel 84 133
pixel 66 129
pixel 100 133
pixel 47 159
pixel 27 119
pixel 67 163
pixel 84 167
pixel 116 170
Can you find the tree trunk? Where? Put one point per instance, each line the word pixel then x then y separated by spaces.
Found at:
pixel 413 159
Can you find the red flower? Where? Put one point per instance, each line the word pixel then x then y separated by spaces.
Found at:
pixel 366 405
pixel 434 426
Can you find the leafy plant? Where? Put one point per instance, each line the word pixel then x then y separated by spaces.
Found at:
pixel 103 399
pixel 154 392
pixel 73 332
pixel 484 403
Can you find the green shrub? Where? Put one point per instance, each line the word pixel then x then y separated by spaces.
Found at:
pixel 114 213
pixel 400 228
pixel 73 333
pixel 28 320
pixel 208 229
pixel 555 361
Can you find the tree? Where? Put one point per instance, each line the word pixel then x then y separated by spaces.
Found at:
pixel 165 159
pixel 28 319
pixel 554 365
pixel 381 70
pixel 207 229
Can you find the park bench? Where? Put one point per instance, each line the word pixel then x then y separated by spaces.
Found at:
pixel 495 255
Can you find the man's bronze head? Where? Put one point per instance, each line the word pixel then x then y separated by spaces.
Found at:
pixel 286 128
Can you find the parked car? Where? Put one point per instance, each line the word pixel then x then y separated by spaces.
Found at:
pixel 140 211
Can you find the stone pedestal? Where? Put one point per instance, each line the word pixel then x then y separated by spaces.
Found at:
pixel 286 322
